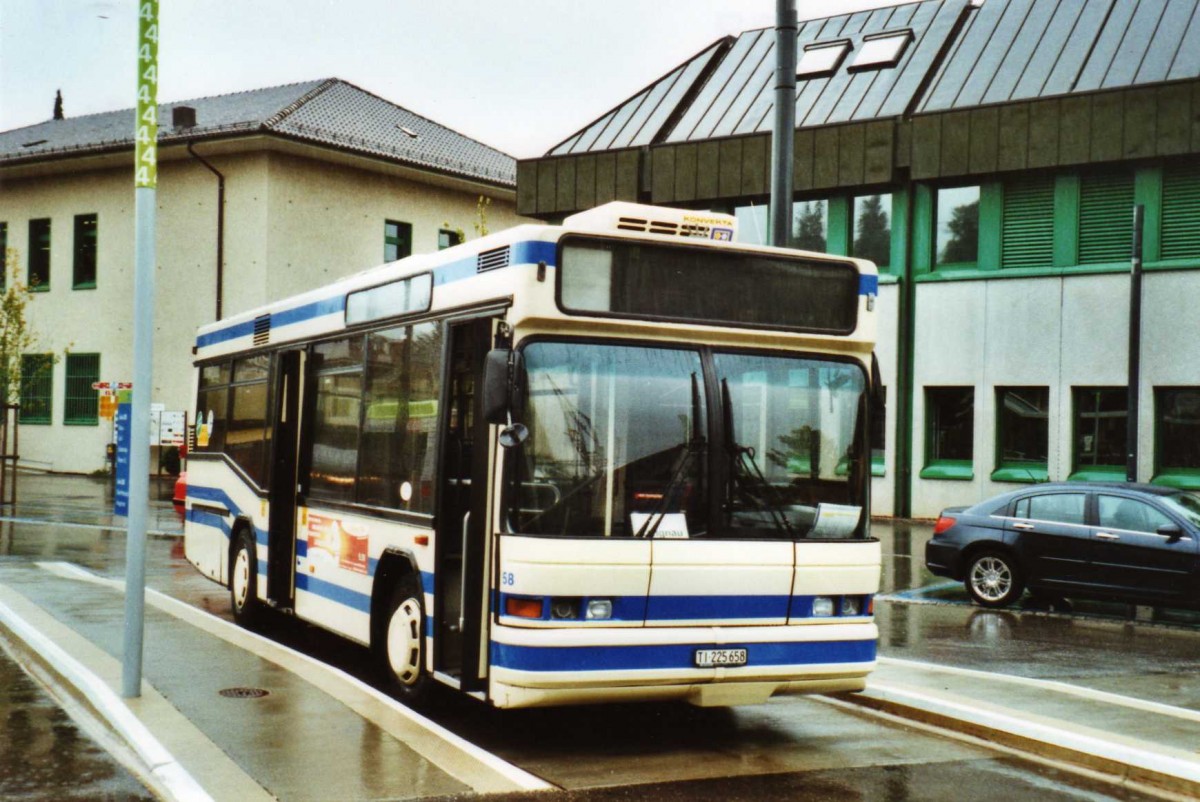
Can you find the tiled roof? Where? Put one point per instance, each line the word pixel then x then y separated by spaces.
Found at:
pixel 330 112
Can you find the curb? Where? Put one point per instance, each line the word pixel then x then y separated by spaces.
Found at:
pixel 1125 760
pixel 144 755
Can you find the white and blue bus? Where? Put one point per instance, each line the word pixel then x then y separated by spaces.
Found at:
pixel 624 458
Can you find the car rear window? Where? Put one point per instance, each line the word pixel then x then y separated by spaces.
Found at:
pixel 1066 508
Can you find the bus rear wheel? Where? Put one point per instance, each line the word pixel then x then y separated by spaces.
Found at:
pixel 243 580
pixel 401 652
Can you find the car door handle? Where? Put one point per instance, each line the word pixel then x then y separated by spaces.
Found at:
pixel 1023 526
pixel 1107 536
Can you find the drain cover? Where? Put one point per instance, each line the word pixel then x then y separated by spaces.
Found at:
pixel 243 693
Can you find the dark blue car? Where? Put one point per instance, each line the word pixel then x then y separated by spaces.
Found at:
pixel 1126 542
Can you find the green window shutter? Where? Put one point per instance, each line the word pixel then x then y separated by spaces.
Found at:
pixel 37 388
pixel 1028 225
pixel 1105 218
pixel 81 401
pixel 1181 213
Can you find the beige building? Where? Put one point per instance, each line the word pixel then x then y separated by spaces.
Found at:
pixel 261 195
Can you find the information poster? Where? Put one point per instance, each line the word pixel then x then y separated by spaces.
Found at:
pixel 124 432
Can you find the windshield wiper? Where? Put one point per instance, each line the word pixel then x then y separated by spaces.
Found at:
pixel 743 470
pixel 694 446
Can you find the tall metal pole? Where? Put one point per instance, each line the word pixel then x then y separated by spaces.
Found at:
pixel 785 122
pixel 1135 344
pixel 145 183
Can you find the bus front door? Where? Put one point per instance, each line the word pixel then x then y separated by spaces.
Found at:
pixel 462 515
pixel 281 541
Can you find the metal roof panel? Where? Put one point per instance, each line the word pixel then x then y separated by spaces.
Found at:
pixel 1168 42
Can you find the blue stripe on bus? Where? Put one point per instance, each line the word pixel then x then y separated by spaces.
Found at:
pixel 868 285
pixel 214 494
pixel 676 656
pixel 335 593
pixel 209 519
pixel 520 253
pixel 687 608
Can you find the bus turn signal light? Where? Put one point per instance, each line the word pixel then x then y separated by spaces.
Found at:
pixel 523 608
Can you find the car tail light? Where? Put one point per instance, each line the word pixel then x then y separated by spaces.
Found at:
pixel 943 523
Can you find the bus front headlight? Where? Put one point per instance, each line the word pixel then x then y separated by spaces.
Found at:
pixel 599 609
pixel 822 606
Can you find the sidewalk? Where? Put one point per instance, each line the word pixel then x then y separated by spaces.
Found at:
pixel 1146 744
pixel 202 728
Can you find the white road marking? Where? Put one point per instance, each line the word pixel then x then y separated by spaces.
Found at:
pixel 302 664
pixel 1052 685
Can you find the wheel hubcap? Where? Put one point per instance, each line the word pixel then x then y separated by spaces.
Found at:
pixel 241 578
pixel 991 578
pixel 404 642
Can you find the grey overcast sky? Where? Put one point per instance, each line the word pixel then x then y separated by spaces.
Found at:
pixel 519 75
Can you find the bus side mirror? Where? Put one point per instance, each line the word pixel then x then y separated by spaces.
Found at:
pixel 496 385
pixel 878 396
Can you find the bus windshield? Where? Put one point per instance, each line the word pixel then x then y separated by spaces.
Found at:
pixel 623 443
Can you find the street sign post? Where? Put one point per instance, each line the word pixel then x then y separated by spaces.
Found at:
pixel 145 181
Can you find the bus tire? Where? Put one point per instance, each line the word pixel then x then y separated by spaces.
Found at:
pixel 243 579
pixel 401 650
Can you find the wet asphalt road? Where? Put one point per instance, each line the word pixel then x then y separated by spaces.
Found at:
pixel 794 748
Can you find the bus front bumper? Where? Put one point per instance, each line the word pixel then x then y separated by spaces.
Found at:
pixel 554 666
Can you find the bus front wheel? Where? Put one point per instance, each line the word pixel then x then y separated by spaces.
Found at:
pixel 402 651
pixel 243 579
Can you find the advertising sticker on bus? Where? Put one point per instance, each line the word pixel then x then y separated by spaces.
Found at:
pixel 332 541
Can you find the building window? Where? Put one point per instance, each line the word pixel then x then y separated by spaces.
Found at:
pixel 1180 211
pixel 1105 218
pixel 1101 426
pixel 39 254
pixel 1177 434
pixel 1022 434
pixel 81 400
pixel 821 59
pixel 873 229
pixel 753 222
pixel 957 237
pixel 810 225
pixel 397 240
pixel 949 432
pixel 1027 228
pixel 37 388
pixel 84 275
pixel 448 239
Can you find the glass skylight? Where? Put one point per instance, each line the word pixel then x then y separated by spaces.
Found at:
pixel 821 58
pixel 881 50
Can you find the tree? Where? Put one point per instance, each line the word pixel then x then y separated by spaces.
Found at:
pixel 481 220
pixel 808 227
pixel 963 245
pixel 873 233
pixel 16 338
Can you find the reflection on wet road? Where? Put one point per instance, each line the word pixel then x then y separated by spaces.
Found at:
pixel 44 756
pixel 794 748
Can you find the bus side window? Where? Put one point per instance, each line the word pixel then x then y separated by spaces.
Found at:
pixel 211 405
pixel 402 386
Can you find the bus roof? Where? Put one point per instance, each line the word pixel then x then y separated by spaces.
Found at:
pixel 322 310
